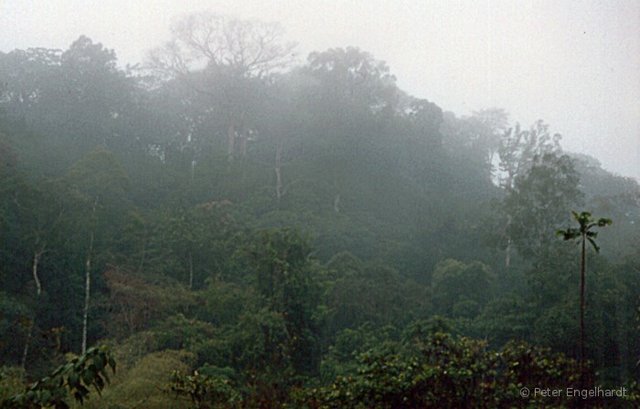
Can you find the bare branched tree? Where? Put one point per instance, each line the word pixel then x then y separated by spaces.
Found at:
pixel 216 56
pixel 207 40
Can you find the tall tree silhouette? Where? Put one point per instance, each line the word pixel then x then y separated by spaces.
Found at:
pixel 583 233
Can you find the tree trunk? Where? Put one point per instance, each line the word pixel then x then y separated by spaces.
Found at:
pixel 243 143
pixel 87 280
pixel 36 278
pixel 190 271
pixel 278 170
pixel 27 343
pixel 242 134
pixel 507 256
pixel 231 140
pixel 582 301
pixel 87 294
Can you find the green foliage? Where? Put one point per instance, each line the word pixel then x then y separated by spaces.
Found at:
pixel 584 234
pixel 441 371
pixel 285 279
pixel 99 174
pixel 224 303
pixel 538 203
pixel 194 180
pixel 586 223
pixel 74 377
pixel 11 382
pixel 206 392
pixel 137 302
pixel 460 289
pixel 144 382
pixel 178 332
pixel 340 359
pixel 15 318
pixel 504 318
pixel 557 327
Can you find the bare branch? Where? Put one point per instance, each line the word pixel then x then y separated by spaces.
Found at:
pixel 251 48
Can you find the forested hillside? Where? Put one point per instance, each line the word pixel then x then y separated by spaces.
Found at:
pixel 244 230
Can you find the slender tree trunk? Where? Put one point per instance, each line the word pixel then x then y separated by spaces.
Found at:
pixel 27 343
pixel 336 203
pixel 190 270
pixel 582 301
pixel 34 270
pixel 87 281
pixel 243 143
pixel 36 278
pixel 243 134
pixel 231 139
pixel 507 256
pixel 278 170
pixel 87 294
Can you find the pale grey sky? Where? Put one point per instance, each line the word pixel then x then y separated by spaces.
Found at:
pixel 575 64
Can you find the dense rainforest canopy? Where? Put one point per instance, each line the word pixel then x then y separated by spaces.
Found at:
pixel 242 230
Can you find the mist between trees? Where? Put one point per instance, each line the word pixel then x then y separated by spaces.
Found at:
pixel 242 230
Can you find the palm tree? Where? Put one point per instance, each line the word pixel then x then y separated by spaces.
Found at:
pixel 583 233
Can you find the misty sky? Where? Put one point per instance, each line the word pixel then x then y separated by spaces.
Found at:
pixel 575 64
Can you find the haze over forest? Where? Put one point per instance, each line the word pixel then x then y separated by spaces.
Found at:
pixel 415 217
pixel 574 64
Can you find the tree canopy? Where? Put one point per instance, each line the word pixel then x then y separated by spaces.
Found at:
pixel 245 229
